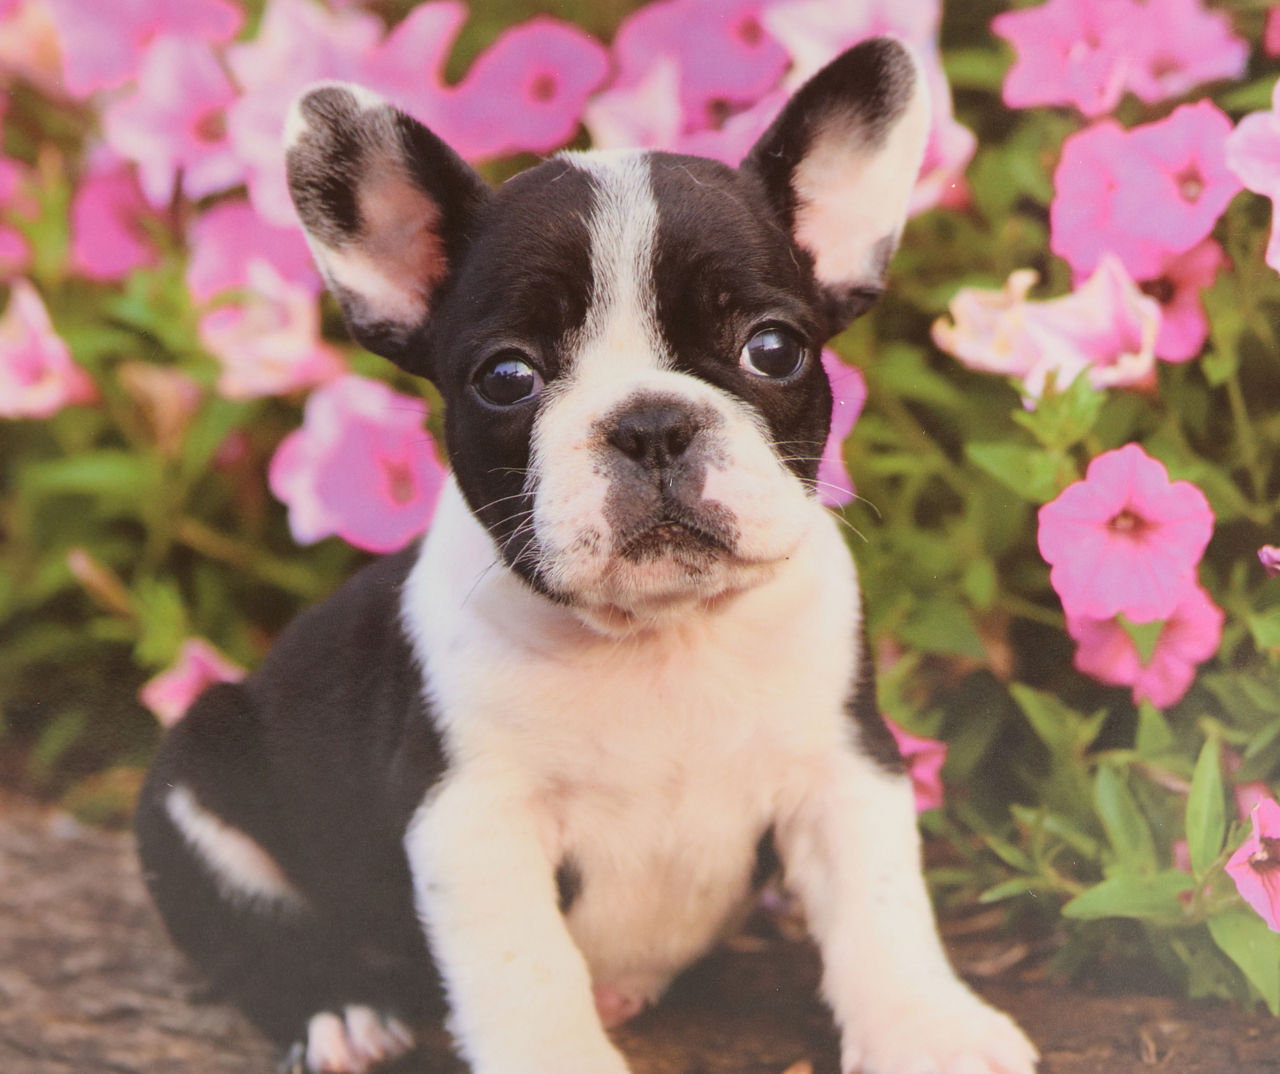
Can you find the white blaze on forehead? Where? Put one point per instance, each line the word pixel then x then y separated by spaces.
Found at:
pixel 621 331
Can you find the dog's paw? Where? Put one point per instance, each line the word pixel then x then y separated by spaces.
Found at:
pixel 923 1035
pixel 353 1042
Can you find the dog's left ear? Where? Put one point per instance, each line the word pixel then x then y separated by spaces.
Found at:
pixel 387 208
pixel 839 164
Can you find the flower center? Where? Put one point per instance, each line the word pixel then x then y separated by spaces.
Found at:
pixel 1128 524
pixel 400 483
pixel 210 127
pixel 1162 289
pixel 543 87
pixel 1191 182
pixel 1267 857
pixel 750 32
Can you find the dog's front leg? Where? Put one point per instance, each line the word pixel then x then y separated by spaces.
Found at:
pixel 851 853
pixel 518 988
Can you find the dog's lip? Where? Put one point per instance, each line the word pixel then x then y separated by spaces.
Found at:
pixel 671 534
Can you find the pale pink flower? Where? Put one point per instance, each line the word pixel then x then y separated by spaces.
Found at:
pixel 924 758
pixel 362 467
pixel 29 46
pixel 1255 867
pixel 198 666
pixel 1269 556
pixel 1191 634
pixel 1144 194
pixel 107 238
pixel 268 343
pixel 1253 154
pixel 174 123
pixel 1105 329
pixel 230 237
pixel 103 44
pixel 37 374
pixel 168 399
pixel 849 395
pixel 1125 540
pixel 1184 325
pixel 1175 45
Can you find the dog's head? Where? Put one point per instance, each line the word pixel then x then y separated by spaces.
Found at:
pixel 627 343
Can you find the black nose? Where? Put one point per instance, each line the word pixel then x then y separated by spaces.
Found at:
pixel 654 434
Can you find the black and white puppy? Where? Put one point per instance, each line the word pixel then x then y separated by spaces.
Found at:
pixel 523 774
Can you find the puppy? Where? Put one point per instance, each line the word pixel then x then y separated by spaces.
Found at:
pixel 522 774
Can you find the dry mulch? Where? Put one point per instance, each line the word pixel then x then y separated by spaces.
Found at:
pixel 90 985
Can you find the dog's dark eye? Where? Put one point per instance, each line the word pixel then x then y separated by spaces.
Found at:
pixel 507 379
pixel 773 353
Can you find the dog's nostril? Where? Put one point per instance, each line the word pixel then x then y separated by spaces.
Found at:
pixel 654 435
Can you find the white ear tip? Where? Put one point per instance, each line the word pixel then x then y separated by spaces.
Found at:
pixel 296 125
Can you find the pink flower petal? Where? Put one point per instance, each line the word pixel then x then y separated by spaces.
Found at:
pixel 849 394
pixel 1255 867
pixel 37 374
pixel 199 665
pixel 924 758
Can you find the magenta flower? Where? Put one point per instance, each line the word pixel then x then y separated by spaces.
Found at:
pixel 1255 867
pixel 269 342
pixel 1191 634
pixel 37 374
pixel 1088 52
pixel 1106 329
pixel 849 394
pixel 1183 324
pixel 362 467
pixel 230 237
pixel 199 665
pixel 1271 33
pixel 103 45
pixel 1253 154
pixel 1125 540
pixel 1269 556
pixel 174 123
pixel 107 238
pixel 1067 53
pixel 924 758
pixel 1144 194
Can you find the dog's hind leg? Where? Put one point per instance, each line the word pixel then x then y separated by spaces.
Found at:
pixel 211 840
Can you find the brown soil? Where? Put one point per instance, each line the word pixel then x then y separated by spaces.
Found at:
pixel 89 984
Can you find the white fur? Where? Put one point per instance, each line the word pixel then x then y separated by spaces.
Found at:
pixel 241 868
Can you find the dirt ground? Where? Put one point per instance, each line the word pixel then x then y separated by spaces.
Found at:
pixel 89 984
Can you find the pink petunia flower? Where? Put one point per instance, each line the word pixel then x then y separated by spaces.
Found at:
pixel 269 343
pixel 1106 328
pixel 1253 154
pixel 103 45
pixel 1144 194
pixel 924 758
pixel 362 467
pixel 174 123
pixel 1269 556
pixel 107 239
pixel 1125 540
pixel 1191 634
pixel 1088 52
pixel 1066 54
pixel 1255 867
pixel 1271 33
pixel 1183 324
pixel 525 92
pixel 230 237
pixel 29 47
pixel 199 665
pixel 37 374
pixel 849 395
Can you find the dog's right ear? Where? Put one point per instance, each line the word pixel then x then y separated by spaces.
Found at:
pixel 386 206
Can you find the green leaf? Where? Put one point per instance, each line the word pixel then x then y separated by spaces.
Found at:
pixel 1145 636
pixel 1058 726
pixel 104 472
pixel 1029 471
pixel 1064 416
pixel 1152 897
pixel 1206 810
pixel 1154 736
pixel 980 583
pixel 1126 827
pixel 1265 629
pixel 1245 939
pixel 942 626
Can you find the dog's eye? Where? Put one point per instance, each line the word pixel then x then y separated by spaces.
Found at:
pixel 507 379
pixel 773 353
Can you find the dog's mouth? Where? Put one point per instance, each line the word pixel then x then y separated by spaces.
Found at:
pixel 680 539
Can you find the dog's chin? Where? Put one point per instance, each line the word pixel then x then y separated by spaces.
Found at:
pixel 656 579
